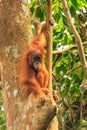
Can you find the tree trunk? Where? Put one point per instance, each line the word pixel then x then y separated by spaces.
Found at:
pixel 15 33
pixel 14 38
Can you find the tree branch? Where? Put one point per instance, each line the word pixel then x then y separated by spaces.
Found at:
pixel 37 26
pixel 50 22
pixel 68 73
pixel 49 42
pixel 67 49
pixel 77 37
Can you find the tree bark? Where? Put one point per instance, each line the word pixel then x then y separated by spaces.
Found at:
pixel 50 23
pixel 14 38
pixel 15 34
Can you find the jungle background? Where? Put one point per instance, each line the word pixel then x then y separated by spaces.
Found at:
pixel 68 73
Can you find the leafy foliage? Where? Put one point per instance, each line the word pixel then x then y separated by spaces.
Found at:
pixel 68 73
pixel 67 69
pixel 2 114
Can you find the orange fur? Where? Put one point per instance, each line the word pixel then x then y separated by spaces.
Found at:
pixel 31 81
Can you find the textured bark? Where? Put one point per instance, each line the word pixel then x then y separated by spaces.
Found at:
pixel 15 34
pixel 49 42
pixel 14 38
pixel 50 22
pixel 38 115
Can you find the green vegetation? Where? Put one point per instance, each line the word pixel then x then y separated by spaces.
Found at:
pixel 68 74
pixel 2 113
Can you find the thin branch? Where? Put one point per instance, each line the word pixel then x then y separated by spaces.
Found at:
pixel 56 59
pixel 37 26
pixel 81 109
pixel 59 52
pixel 77 37
pixel 49 42
pixel 64 50
pixel 68 73
pixel 73 69
pixel 67 48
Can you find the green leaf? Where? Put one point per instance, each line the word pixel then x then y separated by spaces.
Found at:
pixel 73 11
pixel 74 2
pixel 64 92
